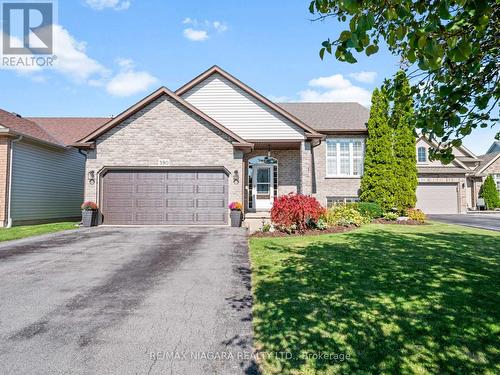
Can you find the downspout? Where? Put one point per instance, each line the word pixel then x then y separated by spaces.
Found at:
pixel 11 162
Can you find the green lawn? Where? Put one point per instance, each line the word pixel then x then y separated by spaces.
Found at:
pixel 395 298
pixel 15 233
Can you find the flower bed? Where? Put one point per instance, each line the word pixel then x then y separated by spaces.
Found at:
pixel 308 232
pixel 398 222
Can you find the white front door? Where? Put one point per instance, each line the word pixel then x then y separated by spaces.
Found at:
pixel 262 189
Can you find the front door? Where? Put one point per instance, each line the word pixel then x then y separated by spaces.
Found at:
pixel 262 189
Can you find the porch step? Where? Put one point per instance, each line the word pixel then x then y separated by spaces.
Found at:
pixel 255 220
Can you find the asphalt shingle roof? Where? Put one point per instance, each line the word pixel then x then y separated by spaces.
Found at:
pixel 69 130
pixel 26 127
pixel 486 158
pixel 330 116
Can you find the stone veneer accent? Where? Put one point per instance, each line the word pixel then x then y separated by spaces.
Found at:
pixel 165 130
pixel 4 178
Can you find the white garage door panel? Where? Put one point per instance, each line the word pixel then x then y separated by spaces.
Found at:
pixel 437 198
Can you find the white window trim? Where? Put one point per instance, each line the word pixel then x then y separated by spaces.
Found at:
pixel 426 156
pixel 351 157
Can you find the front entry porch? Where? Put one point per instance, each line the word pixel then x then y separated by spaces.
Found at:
pixel 271 170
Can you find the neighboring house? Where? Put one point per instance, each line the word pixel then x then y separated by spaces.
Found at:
pixel 490 165
pixel 494 148
pixel 181 157
pixel 41 177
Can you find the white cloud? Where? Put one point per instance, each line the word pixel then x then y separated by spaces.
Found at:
pixel 113 4
pixel 195 35
pixel 335 88
pixel 72 59
pixel 202 30
pixel 219 26
pixel 337 81
pixel 129 81
pixel 364 77
pixel 73 62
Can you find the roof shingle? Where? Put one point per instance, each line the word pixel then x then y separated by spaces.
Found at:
pixel 69 130
pixel 330 116
pixel 25 127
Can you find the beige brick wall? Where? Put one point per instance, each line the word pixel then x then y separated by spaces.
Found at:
pixel 322 186
pixel 165 130
pixel 4 178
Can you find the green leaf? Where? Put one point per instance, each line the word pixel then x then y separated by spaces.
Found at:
pixel 311 7
pixel 422 41
pixel 345 35
pixel 322 53
pixel 350 58
pixel 352 24
pixel 371 49
pixel 351 6
pixel 444 12
pixel 482 101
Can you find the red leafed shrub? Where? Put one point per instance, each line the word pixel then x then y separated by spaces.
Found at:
pixel 295 212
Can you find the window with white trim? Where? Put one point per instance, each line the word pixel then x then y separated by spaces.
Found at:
pixel 344 157
pixel 422 155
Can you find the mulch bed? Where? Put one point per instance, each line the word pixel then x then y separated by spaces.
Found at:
pixel 315 232
pixel 398 222
pixel 309 232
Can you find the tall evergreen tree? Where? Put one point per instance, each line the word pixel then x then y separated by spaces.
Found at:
pixel 404 145
pixel 378 181
pixel 489 193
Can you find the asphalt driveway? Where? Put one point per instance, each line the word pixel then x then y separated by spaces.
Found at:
pixel 483 221
pixel 127 301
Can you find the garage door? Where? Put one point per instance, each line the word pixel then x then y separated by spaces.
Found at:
pixel 164 197
pixel 437 198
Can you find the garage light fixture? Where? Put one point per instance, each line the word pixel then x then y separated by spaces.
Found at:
pixel 236 177
pixel 91 177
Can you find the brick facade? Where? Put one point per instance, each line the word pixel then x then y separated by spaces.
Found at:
pixel 165 130
pixel 322 186
pixel 4 178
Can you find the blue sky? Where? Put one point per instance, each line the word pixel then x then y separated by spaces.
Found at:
pixel 111 53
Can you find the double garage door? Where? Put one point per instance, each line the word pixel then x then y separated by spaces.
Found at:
pixel 437 198
pixel 187 197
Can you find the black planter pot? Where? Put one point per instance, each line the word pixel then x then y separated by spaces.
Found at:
pixel 236 217
pixel 89 218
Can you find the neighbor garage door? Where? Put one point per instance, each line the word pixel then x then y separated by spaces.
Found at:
pixel 437 198
pixel 164 197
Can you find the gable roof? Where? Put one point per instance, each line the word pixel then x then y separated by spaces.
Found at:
pixel 456 161
pixel 148 100
pixel 487 160
pixel 68 130
pixel 21 126
pixel 310 132
pixel 330 116
pixel 494 146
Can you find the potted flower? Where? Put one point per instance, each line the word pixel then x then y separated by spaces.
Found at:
pixel 236 215
pixel 89 214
